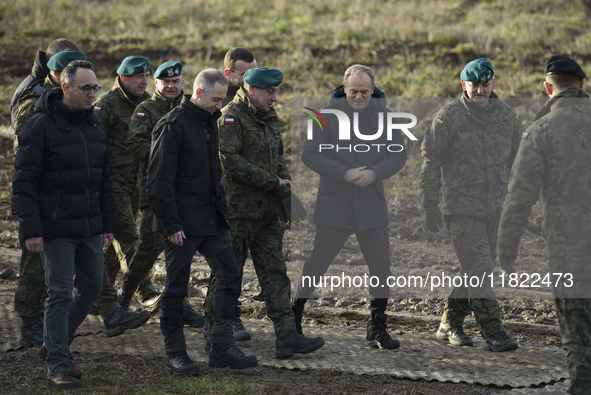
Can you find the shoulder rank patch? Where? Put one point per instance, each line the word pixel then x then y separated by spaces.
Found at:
pixel 141 114
pixel 439 121
pixel 524 135
pixel 228 121
pixel 97 109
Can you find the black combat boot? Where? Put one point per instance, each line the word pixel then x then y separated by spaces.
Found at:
pixel 298 312
pixel 125 296
pixel 377 335
pixel 192 318
pixel 222 355
pixel 32 334
pixel 122 320
pixel 180 364
pixel 289 343
pixel 500 341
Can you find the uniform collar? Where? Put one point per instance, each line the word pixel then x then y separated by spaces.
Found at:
pixel 557 101
pixel 244 103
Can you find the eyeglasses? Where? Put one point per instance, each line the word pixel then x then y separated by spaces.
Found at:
pixel 86 89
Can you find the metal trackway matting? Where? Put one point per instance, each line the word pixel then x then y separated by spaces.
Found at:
pixel 421 355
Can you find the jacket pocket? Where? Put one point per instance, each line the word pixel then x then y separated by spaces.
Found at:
pixel 456 228
pixel 57 204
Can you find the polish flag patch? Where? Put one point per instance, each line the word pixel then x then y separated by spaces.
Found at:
pixel 229 121
pixel 439 121
pixel 524 135
pixel 97 109
pixel 141 114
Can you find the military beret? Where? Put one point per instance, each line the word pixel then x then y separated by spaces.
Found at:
pixel 560 64
pixel 478 71
pixel 169 69
pixel 263 77
pixel 134 65
pixel 60 60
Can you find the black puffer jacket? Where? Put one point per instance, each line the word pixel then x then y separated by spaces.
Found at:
pixel 184 173
pixel 341 204
pixel 62 180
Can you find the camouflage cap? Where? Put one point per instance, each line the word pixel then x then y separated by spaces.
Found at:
pixel 478 71
pixel 560 64
pixel 60 60
pixel 134 65
pixel 263 77
pixel 169 69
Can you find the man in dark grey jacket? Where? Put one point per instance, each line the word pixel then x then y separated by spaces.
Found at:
pixel 64 199
pixel 351 194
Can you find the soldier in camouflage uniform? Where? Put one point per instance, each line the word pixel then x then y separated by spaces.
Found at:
pixel 114 110
pixel 251 152
pixel 168 81
pixel 554 163
pixel 28 298
pixel 473 142
pixel 236 62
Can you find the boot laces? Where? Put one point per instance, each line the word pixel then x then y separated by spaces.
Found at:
pixel 183 357
pixel 232 348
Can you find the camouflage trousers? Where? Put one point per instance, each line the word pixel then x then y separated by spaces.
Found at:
pixel 574 318
pixel 30 292
pixel 475 243
pixel 264 239
pixel 142 262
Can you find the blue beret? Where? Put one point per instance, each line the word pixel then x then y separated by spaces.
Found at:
pixel 560 64
pixel 134 65
pixel 60 60
pixel 479 70
pixel 263 77
pixel 169 69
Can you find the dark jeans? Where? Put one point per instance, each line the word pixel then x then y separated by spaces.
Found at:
pixel 74 278
pixel 218 252
pixel 375 247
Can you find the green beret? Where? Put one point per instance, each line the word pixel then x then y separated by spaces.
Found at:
pixel 560 64
pixel 134 65
pixel 479 70
pixel 60 60
pixel 263 77
pixel 169 69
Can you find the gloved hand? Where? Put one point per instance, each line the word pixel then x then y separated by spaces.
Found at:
pixel 290 208
pixel 433 220
pixel 506 266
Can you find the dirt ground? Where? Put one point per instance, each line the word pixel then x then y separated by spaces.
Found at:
pixel 529 316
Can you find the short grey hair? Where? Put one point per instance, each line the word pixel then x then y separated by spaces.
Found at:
pixel 207 79
pixel 358 68
pixel 68 75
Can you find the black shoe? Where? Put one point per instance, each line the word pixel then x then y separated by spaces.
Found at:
pixel 298 312
pixel 180 364
pixel 377 334
pixel 75 370
pixel 152 302
pixel 32 334
pixel 222 355
pixel 121 320
pixel 240 332
pixel 500 341
pixel 125 297
pixel 192 318
pixel 289 343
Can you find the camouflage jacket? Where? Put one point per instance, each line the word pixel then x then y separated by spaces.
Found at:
pixel 474 148
pixel 25 105
pixel 144 119
pixel 554 163
pixel 232 89
pixel 251 151
pixel 33 80
pixel 114 109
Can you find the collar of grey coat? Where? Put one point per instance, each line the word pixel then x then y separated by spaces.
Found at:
pixel 556 101
pixel 198 112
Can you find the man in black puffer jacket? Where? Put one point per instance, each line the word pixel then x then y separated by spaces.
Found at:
pixel 64 199
pixel 351 193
